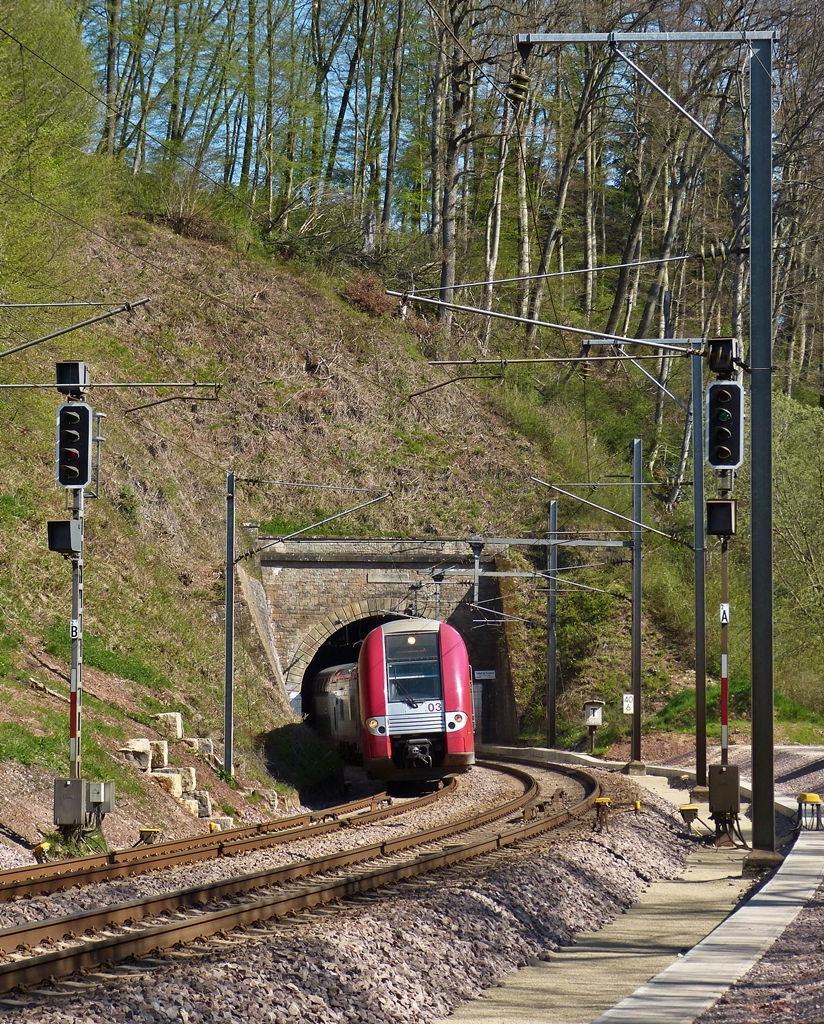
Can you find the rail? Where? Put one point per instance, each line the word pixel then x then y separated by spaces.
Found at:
pixel 141 933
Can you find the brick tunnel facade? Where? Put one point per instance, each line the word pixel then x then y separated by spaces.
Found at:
pixel 318 590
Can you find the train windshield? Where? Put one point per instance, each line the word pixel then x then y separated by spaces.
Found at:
pixel 412 667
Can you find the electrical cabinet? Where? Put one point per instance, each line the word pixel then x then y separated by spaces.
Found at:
pixel 70 802
pixel 724 789
pixel 100 795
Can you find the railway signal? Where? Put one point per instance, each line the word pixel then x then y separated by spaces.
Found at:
pixel 74 444
pixel 725 424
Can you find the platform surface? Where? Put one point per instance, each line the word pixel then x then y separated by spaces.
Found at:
pixel 672 954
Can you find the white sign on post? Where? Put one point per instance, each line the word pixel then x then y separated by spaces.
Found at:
pixel 629 703
pixel 74 629
pixel 725 614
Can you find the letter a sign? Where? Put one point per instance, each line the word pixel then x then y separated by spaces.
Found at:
pixel 725 615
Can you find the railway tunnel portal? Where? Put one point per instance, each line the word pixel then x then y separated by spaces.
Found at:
pixel 323 595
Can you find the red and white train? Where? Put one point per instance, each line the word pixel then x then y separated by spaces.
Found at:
pixel 406 707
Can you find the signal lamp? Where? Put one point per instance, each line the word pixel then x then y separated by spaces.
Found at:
pixel 74 445
pixel 725 424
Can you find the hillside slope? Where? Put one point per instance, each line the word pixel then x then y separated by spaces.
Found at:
pixel 318 382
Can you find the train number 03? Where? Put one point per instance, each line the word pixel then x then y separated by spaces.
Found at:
pixel 434 705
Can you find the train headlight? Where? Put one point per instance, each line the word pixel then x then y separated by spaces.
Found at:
pixel 458 719
pixel 373 723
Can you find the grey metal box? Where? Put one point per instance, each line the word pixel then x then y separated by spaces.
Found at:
pixel 72 377
pixel 721 517
pixel 724 789
pixel 100 794
pixel 70 802
pixel 64 536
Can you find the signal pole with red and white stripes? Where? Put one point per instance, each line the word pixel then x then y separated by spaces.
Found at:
pixel 725 622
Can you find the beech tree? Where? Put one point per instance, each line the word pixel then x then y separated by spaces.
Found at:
pixel 46 121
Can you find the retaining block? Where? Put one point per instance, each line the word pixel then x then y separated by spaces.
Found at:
pixel 138 753
pixel 204 803
pixel 170 781
pixel 160 753
pixel 170 723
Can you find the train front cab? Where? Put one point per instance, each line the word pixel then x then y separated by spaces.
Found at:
pixel 415 701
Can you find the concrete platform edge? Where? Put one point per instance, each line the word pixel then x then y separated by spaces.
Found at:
pixel 693 983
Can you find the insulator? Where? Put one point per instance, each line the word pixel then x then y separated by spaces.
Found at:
pixel 517 92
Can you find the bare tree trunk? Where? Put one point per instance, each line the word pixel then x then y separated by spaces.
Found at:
pixel 625 288
pixel 492 239
pixel 592 80
pixel 394 120
pixel 524 233
pixel 112 39
pixel 451 181
pixel 251 96
pixel 439 86
pixel 351 78
pixel 590 241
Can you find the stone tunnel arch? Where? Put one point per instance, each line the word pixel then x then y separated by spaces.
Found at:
pixel 323 632
pixel 317 587
pixel 339 648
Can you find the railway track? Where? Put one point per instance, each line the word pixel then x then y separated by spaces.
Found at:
pixel 48 950
pixel 30 880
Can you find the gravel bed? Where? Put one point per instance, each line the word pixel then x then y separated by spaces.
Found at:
pixel 787 984
pixel 413 953
pixel 476 790
pixel 13 856
pixel 797 769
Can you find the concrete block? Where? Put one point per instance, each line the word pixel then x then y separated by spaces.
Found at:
pixel 170 781
pixel 222 822
pixel 170 723
pixel 205 745
pixel 269 795
pixel 190 805
pixel 204 802
pixel 160 753
pixel 138 752
pixel 188 777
